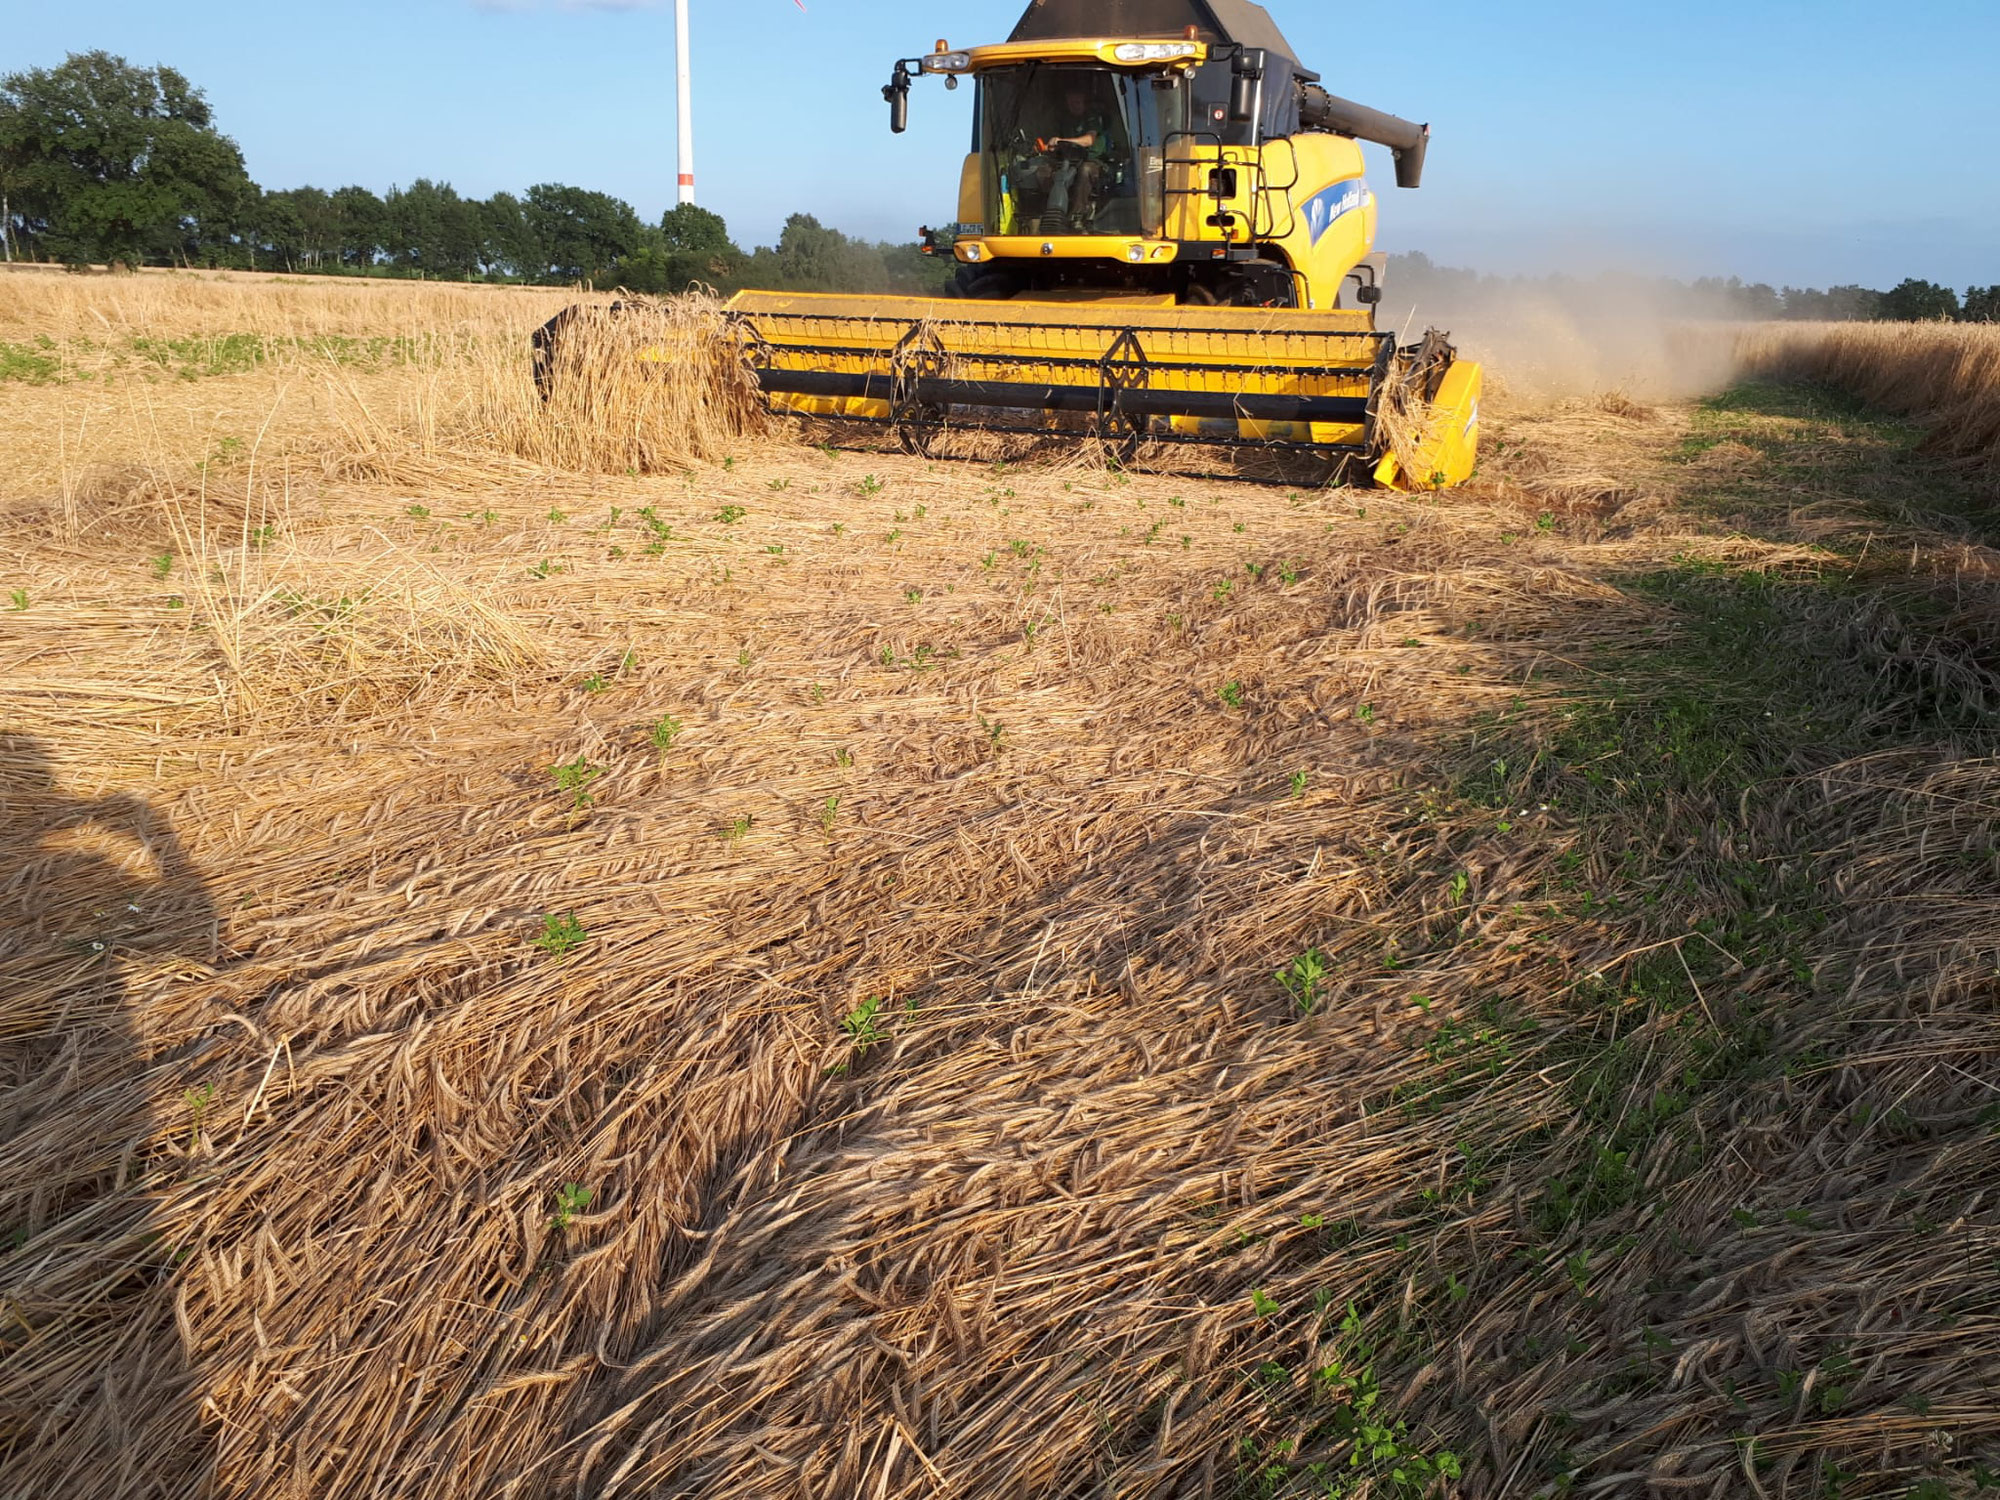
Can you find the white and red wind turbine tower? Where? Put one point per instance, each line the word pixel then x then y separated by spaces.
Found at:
pixel 684 96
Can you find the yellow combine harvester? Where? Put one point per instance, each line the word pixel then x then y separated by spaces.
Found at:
pixel 1164 235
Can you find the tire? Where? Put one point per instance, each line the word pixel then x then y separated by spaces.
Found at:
pixel 982 284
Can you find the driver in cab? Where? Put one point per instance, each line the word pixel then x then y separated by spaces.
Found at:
pixel 1068 167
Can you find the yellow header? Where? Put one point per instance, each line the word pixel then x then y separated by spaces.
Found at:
pixel 1114 52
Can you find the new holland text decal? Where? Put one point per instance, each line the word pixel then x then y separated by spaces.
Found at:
pixel 1330 205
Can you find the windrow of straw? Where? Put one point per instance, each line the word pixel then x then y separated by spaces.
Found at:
pixel 1945 375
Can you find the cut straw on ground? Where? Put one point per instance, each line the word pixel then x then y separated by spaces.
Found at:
pixel 633 957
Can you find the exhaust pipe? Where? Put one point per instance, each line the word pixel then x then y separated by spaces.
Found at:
pixel 1319 110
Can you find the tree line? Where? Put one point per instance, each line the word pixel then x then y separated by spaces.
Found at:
pixel 102 162
pixel 1911 301
pixel 105 163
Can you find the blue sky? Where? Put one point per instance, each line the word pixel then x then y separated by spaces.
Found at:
pixel 1778 140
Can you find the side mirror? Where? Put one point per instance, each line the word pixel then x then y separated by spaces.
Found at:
pixel 1246 84
pixel 897 92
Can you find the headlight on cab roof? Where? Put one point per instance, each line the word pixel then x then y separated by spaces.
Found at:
pixel 947 62
pixel 1133 52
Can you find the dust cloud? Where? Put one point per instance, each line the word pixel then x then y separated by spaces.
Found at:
pixel 1549 337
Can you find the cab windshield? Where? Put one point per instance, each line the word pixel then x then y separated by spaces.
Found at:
pixel 1076 150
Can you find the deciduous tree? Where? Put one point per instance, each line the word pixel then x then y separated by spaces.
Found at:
pixel 581 234
pixel 1919 302
pixel 106 161
pixel 428 227
pixel 360 222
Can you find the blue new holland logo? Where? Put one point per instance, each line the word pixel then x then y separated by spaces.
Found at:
pixel 1330 205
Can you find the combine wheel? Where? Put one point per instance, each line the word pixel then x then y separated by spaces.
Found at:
pixel 1256 283
pixel 982 284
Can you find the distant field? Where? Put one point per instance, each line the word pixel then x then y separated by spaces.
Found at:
pixel 546 954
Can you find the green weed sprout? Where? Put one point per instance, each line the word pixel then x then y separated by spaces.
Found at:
pixel 560 935
pixel 197 1101
pixel 572 1198
pixel 575 778
pixel 1302 979
pixel 663 734
pixel 859 1024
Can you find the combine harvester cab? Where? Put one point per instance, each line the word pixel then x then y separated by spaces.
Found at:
pixel 1164 235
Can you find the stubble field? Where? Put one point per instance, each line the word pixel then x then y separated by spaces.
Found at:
pixel 538 959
